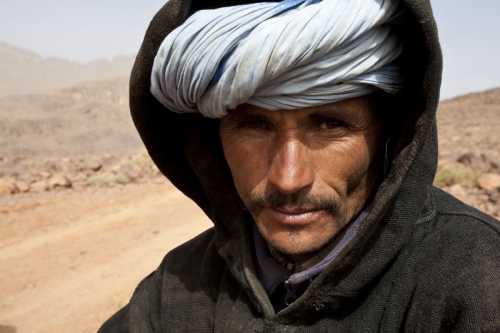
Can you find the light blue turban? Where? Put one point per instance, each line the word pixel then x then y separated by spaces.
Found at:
pixel 287 55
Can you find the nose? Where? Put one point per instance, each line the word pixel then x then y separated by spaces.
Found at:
pixel 291 168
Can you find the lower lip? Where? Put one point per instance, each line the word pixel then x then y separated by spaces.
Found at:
pixel 296 219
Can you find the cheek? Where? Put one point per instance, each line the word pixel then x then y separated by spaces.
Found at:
pixel 247 160
pixel 364 164
pixel 344 165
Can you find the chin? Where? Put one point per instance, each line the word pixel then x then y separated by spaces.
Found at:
pixel 294 242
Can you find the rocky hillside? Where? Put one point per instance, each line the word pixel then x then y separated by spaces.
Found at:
pixel 24 72
pixel 86 119
pixel 470 123
pixel 20 175
pixel 469 149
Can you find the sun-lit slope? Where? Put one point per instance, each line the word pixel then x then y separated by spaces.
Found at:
pixel 470 123
pixel 89 118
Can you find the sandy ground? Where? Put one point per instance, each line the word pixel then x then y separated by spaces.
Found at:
pixel 70 259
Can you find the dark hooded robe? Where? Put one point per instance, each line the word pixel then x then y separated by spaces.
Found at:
pixel 422 261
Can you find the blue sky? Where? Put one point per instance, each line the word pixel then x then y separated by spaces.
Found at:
pixel 83 30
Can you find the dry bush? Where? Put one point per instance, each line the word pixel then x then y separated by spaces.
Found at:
pixel 449 175
pixel 107 180
pixel 140 159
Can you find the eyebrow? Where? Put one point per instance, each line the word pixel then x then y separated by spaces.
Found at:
pixel 245 116
pixel 338 114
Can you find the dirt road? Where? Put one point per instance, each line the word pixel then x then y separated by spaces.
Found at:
pixel 71 259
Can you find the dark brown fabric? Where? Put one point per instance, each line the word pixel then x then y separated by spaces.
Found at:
pixel 421 262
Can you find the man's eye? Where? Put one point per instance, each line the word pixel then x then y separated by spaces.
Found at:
pixel 331 124
pixel 255 125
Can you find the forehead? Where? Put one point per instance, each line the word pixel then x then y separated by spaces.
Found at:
pixel 357 109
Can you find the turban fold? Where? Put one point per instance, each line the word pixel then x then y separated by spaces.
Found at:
pixel 287 55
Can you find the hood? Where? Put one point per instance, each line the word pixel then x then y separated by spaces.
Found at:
pixel 187 150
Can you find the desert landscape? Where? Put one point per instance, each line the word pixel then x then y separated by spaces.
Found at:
pixel 85 214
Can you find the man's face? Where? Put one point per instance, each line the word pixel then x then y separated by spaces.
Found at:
pixel 303 174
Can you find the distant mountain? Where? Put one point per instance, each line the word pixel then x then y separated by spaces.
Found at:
pixel 24 72
pixel 88 118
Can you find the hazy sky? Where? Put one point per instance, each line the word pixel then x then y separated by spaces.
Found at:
pixel 83 30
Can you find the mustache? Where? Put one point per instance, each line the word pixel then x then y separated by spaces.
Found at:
pixel 301 200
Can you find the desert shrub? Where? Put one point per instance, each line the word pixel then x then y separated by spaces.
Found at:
pixel 140 159
pixel 448 175
pixel 107 179
pixel 80 167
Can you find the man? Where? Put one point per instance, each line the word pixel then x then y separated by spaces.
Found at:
pixel 316 171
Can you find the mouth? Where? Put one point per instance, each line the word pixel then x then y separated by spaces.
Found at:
pixel 294 215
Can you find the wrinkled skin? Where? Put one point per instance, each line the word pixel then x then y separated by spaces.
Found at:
pixel 303 174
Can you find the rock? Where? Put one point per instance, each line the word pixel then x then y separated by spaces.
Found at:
pixel 458 191
pixel 495 163
pixel 93 165
pixel 497 213
pixel 40 186
pixel 129 171
pixel 478 162
pixel 12 169
pixel 472 201
pixel 489 181
pixel 494 197
pixel 109 162
pixel 155 171
pixel 27 177
pixel 52 166
pixel 67 165
pixel 22 187
pixel 490 208
pixel 45 174
pixel 7 186
pixel 59 181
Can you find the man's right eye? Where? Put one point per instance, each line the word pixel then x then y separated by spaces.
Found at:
pixel 258 125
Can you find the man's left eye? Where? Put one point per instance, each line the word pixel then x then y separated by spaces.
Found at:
pixel 329 125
